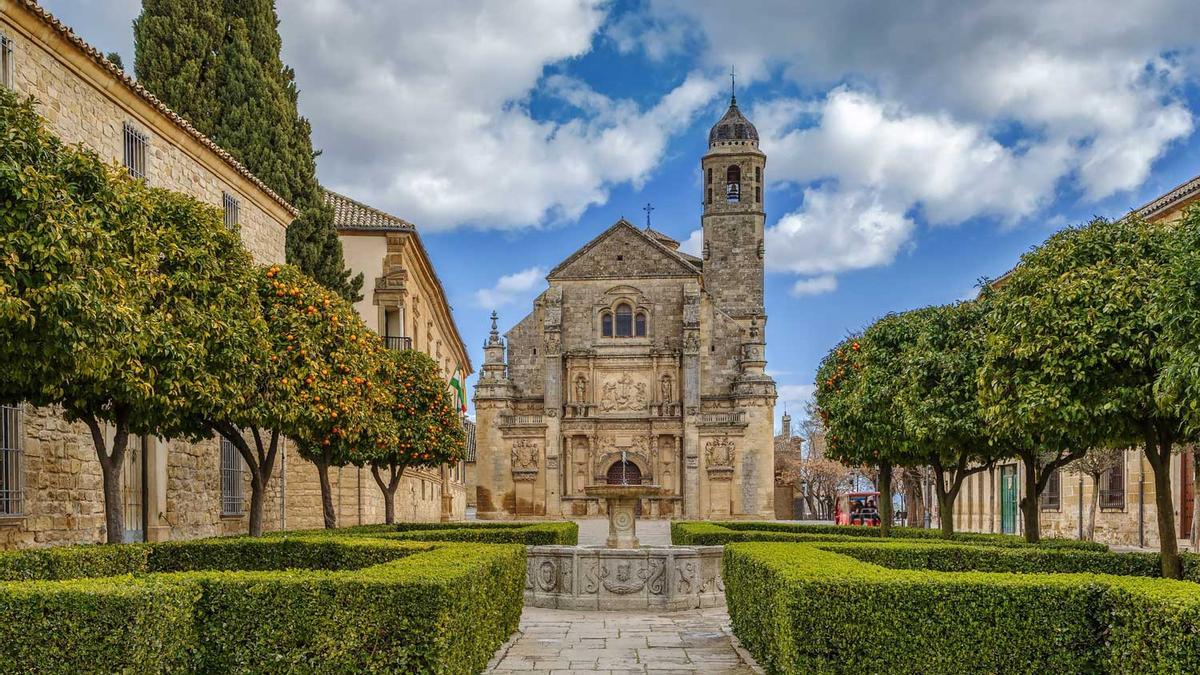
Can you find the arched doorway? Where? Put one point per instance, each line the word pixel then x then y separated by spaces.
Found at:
pixel 624 472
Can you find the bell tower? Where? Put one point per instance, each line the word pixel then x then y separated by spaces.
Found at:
pixel 733 220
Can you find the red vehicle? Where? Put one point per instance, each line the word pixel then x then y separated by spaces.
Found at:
pixel 857 508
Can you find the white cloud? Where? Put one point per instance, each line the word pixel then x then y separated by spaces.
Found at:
pixel 795 397
pixel 694 245
pixel 510 288
pixel 433 122
pixel 826 283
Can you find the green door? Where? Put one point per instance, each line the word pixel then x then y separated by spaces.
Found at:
pixel 1008 499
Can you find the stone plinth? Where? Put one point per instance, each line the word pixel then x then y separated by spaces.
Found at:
pixel 586 578
pixel 622 510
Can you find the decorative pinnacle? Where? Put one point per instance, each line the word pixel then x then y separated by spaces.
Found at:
pixel 495 334
pixel 732 86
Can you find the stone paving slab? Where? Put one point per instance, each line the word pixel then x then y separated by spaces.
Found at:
pixel 559 642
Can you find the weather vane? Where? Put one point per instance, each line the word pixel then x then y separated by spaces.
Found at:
pixel 647 208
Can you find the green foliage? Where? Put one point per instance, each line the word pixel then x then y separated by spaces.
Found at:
pixel 219 65
pixel 963 557
pixel 558 533
pixel 325 603
pixel 712 533
pixel 801 609
pixel 429 431
pixel 71 562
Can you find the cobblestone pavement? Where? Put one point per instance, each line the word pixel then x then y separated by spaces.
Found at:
pixel 554 641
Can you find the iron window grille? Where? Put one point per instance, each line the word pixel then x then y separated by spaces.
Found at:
pixel 12 493
pixel 232 211
pixel 135 151
pixel 232 494
pixel 1052 496
pixel 6 61
pixel 1112 487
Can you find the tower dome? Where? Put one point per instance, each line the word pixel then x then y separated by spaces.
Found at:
pixel 733 127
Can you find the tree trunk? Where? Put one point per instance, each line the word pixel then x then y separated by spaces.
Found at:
pixel 1194 537
pixel 915 497
pixel 111 464
pixel 260 461
pixel 1029 501
pixel 885 498
pixel 388 488
pixel 945 501
pixel 326 496
pixel 1158 452
pixel 992 497
pixel 1093 507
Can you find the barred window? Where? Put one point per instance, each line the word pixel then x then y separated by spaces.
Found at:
pixel 232 498
pixel 135 151
pixel 6 61
pixel 11 455
pixel 1112 487
pixel 1052 495
pixel 232 206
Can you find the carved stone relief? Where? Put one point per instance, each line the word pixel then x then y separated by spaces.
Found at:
pixel 524 459
pixel 623 393
pixel 719 452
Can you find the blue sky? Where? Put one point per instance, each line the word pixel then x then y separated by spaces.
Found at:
pixel 913 148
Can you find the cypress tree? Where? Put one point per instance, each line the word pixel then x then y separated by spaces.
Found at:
pixel 218 63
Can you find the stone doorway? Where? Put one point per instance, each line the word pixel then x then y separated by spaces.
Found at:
pixel 624 472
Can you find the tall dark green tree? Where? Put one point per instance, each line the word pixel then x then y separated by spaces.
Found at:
pixel 218 63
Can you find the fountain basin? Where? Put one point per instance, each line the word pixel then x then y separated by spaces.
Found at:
pixel 650 577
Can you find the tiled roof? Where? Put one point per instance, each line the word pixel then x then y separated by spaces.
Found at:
pixel 349 214
pixel 1170 199
pixel 95 55
pixel 470 427
pixel 664 238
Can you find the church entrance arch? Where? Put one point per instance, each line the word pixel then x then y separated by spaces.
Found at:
pixel 624 472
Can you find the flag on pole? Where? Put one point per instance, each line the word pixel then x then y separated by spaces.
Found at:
pixel 457 385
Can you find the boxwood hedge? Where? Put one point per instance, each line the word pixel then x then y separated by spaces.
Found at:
pixel 697 533
pixel 560 533
pixel 819 608
pixel 296 604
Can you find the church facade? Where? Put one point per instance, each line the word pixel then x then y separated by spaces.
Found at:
pixel 641 364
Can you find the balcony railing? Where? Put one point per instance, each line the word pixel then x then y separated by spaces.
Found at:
pixel 397 343
pixel 520 420
pixel 723 418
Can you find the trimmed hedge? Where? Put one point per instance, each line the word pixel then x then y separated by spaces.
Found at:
pixel 804 608
pixel 561 533
pixel 350 604
pixel 712 533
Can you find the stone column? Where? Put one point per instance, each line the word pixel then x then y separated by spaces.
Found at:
pixel 689 394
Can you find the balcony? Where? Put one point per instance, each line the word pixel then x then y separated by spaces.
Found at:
pixel 397 343
pixel 521 420
pixel 723 419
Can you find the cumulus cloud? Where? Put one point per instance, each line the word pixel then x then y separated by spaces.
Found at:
pixel 424 110
pixel 510 288
pixel 947 109
pixel 826 283
pixel 694 244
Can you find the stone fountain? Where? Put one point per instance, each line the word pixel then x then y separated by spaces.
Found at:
pixel 623 575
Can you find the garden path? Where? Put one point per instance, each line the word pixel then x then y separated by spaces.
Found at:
pixel 556 641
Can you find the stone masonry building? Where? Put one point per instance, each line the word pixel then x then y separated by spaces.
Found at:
pixel 641 363
pixel 50 484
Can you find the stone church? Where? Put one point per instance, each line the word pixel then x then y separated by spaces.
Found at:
pixel 641 364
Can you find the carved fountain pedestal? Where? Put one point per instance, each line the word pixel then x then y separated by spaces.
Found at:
pixel 623 575
pixel 622 510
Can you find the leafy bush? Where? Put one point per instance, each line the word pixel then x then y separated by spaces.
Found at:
pixel 561 533
pixel 348 604
pixel 697 533
pixel 802 608
pixel 72 562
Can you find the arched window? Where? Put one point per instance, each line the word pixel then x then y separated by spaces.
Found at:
pixel 733 184
pixel 709 195
pixel 710 175
pixel 606 327
pixel 758 174
pixel 639 325
pixel 757 194
pixel 624 320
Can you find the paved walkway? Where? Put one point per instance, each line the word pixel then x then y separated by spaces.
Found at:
pixel 555 641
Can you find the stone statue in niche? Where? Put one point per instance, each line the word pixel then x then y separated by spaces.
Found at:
pixel 719 452
pixel 623 394
pixel 581 390
pixel 667 389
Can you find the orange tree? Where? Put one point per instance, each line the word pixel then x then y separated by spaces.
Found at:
pixel 857 385
pixel 428 430
pixel 329 376
pixel 1076 348
pixel 109 291
pixel 939 399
